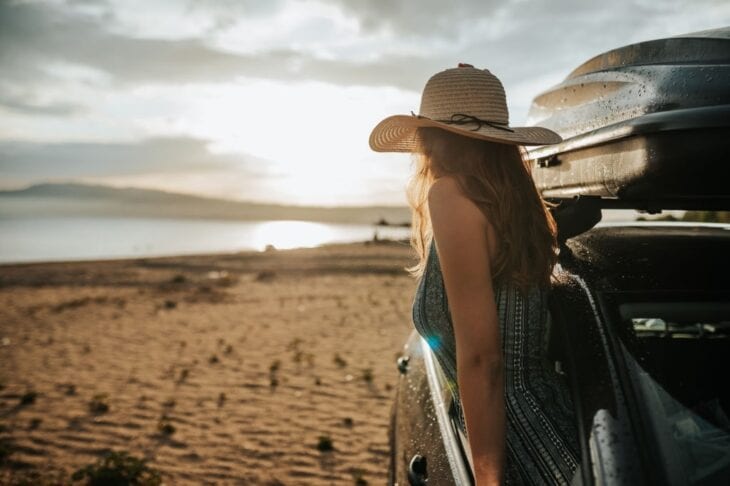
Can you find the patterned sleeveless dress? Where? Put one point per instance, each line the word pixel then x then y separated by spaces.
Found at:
pixel 542 439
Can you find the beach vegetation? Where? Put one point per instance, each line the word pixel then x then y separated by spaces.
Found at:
pixel 339 360
pixel 165 427
pixel 325 444
pixel 99 403
pixel 28 398
pixel 358 476
pixel 265 276
pixel 118 469
pixel 184 373
pixel 6 449
pixel 707 216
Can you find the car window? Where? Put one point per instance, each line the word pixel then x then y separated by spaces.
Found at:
pixel 677 352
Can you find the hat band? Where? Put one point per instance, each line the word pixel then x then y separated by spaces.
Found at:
pixel 462 119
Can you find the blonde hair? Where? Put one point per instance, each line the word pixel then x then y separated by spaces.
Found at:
pixel 498 179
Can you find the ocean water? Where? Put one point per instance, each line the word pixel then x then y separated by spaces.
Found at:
pixel 38 239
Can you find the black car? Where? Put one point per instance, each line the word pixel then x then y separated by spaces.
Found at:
pixel 639 311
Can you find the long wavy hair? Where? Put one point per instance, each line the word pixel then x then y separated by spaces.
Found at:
pixel 497 177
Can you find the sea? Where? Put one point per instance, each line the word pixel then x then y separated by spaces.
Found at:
pixel 67 238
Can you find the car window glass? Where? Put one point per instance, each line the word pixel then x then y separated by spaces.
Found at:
pixel 677 353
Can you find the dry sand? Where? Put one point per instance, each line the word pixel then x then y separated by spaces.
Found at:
pixel 249 357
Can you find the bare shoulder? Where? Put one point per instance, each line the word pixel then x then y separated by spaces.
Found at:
pixel 447 202
pixel 460 234
pixel 445 187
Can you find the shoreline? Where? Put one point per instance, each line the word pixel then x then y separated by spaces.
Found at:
pixel 206 254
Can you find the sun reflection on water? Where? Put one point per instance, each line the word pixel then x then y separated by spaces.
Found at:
pixel 290 234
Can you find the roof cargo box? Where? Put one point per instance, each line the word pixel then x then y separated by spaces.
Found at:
pixel 648 123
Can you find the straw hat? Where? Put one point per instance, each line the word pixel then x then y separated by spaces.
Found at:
pixel 463 100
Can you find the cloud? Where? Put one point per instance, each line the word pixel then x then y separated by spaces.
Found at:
pixel 401 43
pixel 54 109
pixel 34 37
pixel 422 18
pixel 29 103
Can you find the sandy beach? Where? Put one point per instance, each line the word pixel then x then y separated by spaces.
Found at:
pixel 273 368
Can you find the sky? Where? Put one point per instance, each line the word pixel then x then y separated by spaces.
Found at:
pixel 274 100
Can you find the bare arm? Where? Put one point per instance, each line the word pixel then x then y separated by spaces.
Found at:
pixel 460 230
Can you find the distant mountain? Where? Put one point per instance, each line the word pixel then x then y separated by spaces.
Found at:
pixel 93 200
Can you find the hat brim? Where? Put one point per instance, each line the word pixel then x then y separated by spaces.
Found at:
pixel 397 133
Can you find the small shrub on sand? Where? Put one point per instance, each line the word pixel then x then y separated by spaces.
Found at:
pixel 273 369
pixel 340 361
pixel 367 375
pixel 324 444
pixel 184 373
pixel 170 304
pixel 28 398
pixel 99 403
pixel 118 468
pixel 348 422
pixel 358 477
pixel 6 449
pixel 165 427
pixel 221 399
pixel 179 279
pixel 265 276
pixel 213 359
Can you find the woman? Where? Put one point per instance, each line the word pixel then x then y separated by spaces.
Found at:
pixel 487 247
